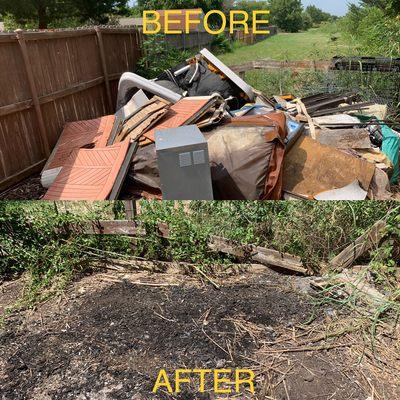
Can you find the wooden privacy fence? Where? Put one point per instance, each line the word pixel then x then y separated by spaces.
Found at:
pixel 52 77
pixel 49 78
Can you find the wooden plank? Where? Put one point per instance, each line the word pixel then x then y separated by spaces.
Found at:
pixel 345 138
pixel 24 105
pixel 278 65
pixel 16 107
pixel 281 260
pixel 261 255
pixel 35 98
pixel 128 228
pixel 104 67
pixel 79 87
pixel 365 242
pixel 117 31
pixel 21 175
pixel 223 245
pixel 8 37
pixel 62 34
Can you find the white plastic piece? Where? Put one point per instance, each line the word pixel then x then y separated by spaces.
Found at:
pixel 351 192
pixel 229 74
pixel 130 81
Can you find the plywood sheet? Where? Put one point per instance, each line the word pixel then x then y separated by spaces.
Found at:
pixel 311 168
pixel 345 138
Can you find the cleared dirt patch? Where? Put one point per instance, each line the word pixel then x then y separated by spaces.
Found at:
pixel 110 335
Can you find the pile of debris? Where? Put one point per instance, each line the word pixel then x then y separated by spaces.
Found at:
pixel 199 132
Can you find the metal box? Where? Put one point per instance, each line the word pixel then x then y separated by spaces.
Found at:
pixel 183 163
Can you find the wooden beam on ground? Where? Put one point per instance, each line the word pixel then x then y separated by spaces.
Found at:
pixel 128 228
pixel 261 255
pixel 360 246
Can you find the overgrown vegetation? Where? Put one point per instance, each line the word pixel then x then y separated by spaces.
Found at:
pixel 158 56
pixel 45 14
pixel 375 27
pixel 36 239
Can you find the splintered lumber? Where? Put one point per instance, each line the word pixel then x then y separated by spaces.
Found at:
pixel 129 228
pixel 258 254
pixel 360 246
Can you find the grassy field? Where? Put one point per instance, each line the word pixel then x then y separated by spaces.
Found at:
pixel 315 44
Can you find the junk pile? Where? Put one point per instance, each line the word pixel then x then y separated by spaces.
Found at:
pixel 199 132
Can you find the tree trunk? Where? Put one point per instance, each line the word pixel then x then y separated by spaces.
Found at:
pixel 42 14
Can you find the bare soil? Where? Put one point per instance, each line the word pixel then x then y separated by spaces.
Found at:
pixel 109 335
pixel 28 189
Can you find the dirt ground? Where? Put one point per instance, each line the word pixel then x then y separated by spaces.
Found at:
pixel 28 189
pixel 109 335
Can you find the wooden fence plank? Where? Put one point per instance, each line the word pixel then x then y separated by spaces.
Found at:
pixel 365 242
pixel 51 78
pixel 104 67
pixel 35 98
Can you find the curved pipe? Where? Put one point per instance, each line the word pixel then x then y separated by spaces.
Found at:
pixel 130 81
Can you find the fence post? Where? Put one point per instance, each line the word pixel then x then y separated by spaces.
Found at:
pixel 104 67
pixel 130 209
pixel 35 98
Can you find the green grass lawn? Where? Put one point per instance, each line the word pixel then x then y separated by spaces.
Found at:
pixel 315 44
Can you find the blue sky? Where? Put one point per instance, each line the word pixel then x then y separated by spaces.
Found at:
pixel 335 7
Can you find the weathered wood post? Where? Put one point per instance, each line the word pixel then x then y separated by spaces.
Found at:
pixel 104 67
pixel 35 98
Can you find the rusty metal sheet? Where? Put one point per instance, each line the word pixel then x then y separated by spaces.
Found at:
pixel 311 168
pixel 89 174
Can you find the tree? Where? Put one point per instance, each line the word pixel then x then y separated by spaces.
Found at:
pixel 287 14
pixel 251 5
pixel 205 5
pixel 45 13
pixel 317 15
pixel 307 21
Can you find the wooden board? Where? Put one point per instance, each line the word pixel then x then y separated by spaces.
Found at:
pixel 365 242
pixel 345 138
pixel 259 254
pixel 71 85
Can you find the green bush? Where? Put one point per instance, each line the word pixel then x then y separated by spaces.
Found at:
pixel 376 33
pixel 36 238
pixel 158 56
